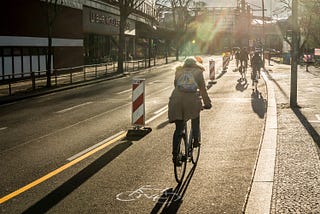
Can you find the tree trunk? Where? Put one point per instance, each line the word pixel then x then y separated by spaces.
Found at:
pixel 177 52
pixel 49 53
pixel 121 44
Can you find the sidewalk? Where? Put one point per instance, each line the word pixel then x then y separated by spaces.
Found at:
pixel 23 89
pixel 287 176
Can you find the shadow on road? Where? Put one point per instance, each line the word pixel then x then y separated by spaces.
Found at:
pixel 258 103
pixel 242 85
pixel 57 195
pixel 172 203
pixel 277 84
pixel 163 124
pixel 136 134
pixel 313 133
pixel 221 74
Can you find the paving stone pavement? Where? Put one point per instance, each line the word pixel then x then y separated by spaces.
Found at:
pixel 296 187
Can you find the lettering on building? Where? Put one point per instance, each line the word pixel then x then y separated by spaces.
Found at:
pixel 97 18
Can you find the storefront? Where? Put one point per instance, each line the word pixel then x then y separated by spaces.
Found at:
pixel 101 30
pixel 24 38
pixel 84 32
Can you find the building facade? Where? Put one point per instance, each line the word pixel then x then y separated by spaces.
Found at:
pixel 83 32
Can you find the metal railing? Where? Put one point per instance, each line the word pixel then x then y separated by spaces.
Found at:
pixel 22 83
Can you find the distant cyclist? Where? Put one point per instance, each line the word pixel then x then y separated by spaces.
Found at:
pixel 256 63
pixel 244 57
pixel 237 56
pixel 185 103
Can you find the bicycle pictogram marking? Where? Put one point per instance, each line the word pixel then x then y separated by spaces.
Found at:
pixel 150 193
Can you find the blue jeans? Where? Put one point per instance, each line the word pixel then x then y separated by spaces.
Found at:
pixel 195 123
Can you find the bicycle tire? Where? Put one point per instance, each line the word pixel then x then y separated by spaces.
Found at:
pixel 195 151
pixel 179 171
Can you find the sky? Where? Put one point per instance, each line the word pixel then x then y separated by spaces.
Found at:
pixel 270 5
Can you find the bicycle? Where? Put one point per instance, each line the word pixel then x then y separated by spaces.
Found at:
pixel 254 78
pixel 243 72
pixel 186 151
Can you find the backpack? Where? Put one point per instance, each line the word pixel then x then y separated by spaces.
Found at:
pixel 186 82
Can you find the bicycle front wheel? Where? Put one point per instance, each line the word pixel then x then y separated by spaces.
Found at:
pixel 195 151
pixel 181 162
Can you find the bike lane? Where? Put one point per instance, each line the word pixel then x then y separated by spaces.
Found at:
pixel 137 177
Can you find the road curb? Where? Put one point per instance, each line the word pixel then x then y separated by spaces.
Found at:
pixel 260 194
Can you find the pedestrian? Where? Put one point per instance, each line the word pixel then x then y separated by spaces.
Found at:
pixel 185 103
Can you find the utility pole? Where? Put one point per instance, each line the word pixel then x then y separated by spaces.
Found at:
pixel 263 35
pixel 294 61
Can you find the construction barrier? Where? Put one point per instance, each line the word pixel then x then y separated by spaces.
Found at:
pixel 212 69
pixel 138 105
pixel 225 62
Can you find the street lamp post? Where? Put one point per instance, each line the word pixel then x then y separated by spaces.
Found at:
pixel 294 62
pixel 263 35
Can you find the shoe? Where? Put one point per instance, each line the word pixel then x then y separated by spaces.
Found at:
pixel 196 144
pixel 176 161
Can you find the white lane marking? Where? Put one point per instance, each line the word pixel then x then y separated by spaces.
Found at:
pixel 125 91
pixel 65 128
pixel 3 128
pixel 234 99
pixel 153 82
pixel 94 146
pixel 73 107
pixel 160 110
pixel 157 115
pixel 318 116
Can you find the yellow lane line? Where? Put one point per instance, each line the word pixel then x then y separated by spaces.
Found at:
pixel 60 169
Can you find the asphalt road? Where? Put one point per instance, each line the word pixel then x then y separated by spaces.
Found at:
pixel 49 134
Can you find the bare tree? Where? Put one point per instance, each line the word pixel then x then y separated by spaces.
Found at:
pixel 126 7
pixel 309 26
pixel 181 19
pixel 52 9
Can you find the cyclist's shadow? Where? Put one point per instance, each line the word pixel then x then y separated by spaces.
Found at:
pixel 242 84
pixel 171 200
pixel 258 103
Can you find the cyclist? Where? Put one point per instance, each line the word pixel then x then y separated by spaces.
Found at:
pixel 242 72
pixel 256 63
pixel 185 103
pixel 244 58
pixel 237 56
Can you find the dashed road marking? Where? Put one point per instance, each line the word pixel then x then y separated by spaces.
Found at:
pixel 162 109
pixel 125 91
pixel 158 114
pixel 3 128
pixel 73 107
pixel 94 146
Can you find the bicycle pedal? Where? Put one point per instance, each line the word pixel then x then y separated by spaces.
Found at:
pixel 184 158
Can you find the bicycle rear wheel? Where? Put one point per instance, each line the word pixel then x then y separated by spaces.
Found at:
pixel 181 162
